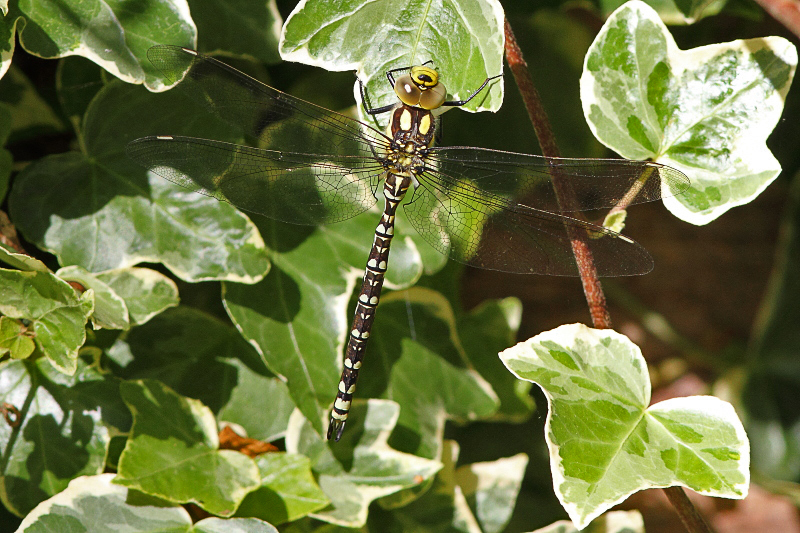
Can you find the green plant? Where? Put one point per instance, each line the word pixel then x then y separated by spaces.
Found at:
pixel 102 376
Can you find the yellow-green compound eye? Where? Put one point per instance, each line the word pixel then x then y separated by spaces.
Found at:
pixel 407 90
pixel 433 98
pixel 424 77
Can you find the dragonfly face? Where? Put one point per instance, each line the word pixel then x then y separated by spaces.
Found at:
pixel 309 165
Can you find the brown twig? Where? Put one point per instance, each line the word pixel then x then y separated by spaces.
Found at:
pixel 598 308
pixel 690 516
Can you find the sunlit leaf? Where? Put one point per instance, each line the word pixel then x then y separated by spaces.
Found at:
pixel 640 96
pixel 606 443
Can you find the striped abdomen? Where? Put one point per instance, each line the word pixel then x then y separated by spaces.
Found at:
pixel 394 188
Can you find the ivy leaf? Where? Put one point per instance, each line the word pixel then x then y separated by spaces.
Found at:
pixel 288 490
pixel 21 261
pixel 145 292
pixel 362 467
pixel 62 202
pixel 110 310
pixel 297 316
pixel 491 488
pixel 463 38
pixel 64 429
pixel 606 443
pixel 613 522
pixel 58 315
pixel 173 452
pixel 640 98
pixel 441 507
pixel 14 339
pixel 200 357
pixel 238 27
pixel 52 29
pixel 92 500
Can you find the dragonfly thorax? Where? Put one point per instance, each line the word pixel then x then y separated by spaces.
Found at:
pixel 412 131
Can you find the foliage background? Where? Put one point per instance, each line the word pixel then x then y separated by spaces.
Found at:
pixel 720 310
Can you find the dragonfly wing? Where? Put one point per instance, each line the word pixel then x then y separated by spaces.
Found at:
pixel 292 187
pixel 488 231
pixel 261 112
pixel 592 183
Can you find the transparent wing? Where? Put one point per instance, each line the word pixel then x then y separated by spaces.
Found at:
pixel 309 165
pixel 592 183
pixel 489 231
pixel 260 111
pixel 292 187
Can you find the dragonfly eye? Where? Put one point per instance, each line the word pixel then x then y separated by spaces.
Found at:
pixel 407 90
pixel 433 98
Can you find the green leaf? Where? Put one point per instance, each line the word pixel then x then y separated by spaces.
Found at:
pixel 361 467
pixel 30 113
pixel 109 33
pixel 674 11
pixel 57 313
pixel 232 525
pixel 773 418
pixel 101 211
pixel 640 97
pixel 442 507
pixel 64 429
pixel 606 443
pixel 464 39
pixel 92 500
pixel 173 452
pixel 238 27
pixel 297 315
pixel 146 292
pixel 200 357
pixel 287 492
pixel 110 310
pixel 21 261
pixel 431 391
pixel 491 488
pixel 14 339
pixel 613 522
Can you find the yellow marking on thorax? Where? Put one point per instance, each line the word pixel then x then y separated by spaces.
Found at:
pixel 405 120
pixel 425 124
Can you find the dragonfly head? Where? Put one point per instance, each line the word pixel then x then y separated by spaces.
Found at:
pixel 421 88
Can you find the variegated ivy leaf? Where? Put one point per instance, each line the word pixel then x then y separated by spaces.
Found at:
pixel 706 111
pixel 463 39
pixel 606 443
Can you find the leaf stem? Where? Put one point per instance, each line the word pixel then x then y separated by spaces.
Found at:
pixel 601 318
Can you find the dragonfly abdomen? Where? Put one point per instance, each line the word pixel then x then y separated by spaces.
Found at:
pixel 394 189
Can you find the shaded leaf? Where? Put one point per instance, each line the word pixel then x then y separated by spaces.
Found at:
pixel 62 202
pixel 92 500
pixel 58 315
pixel 109 33
pixel 200 357
pixel 64 430
pixel 288 490
pixel 361 467
pixel 173 452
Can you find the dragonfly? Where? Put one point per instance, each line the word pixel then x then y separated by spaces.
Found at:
pixel 305 164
